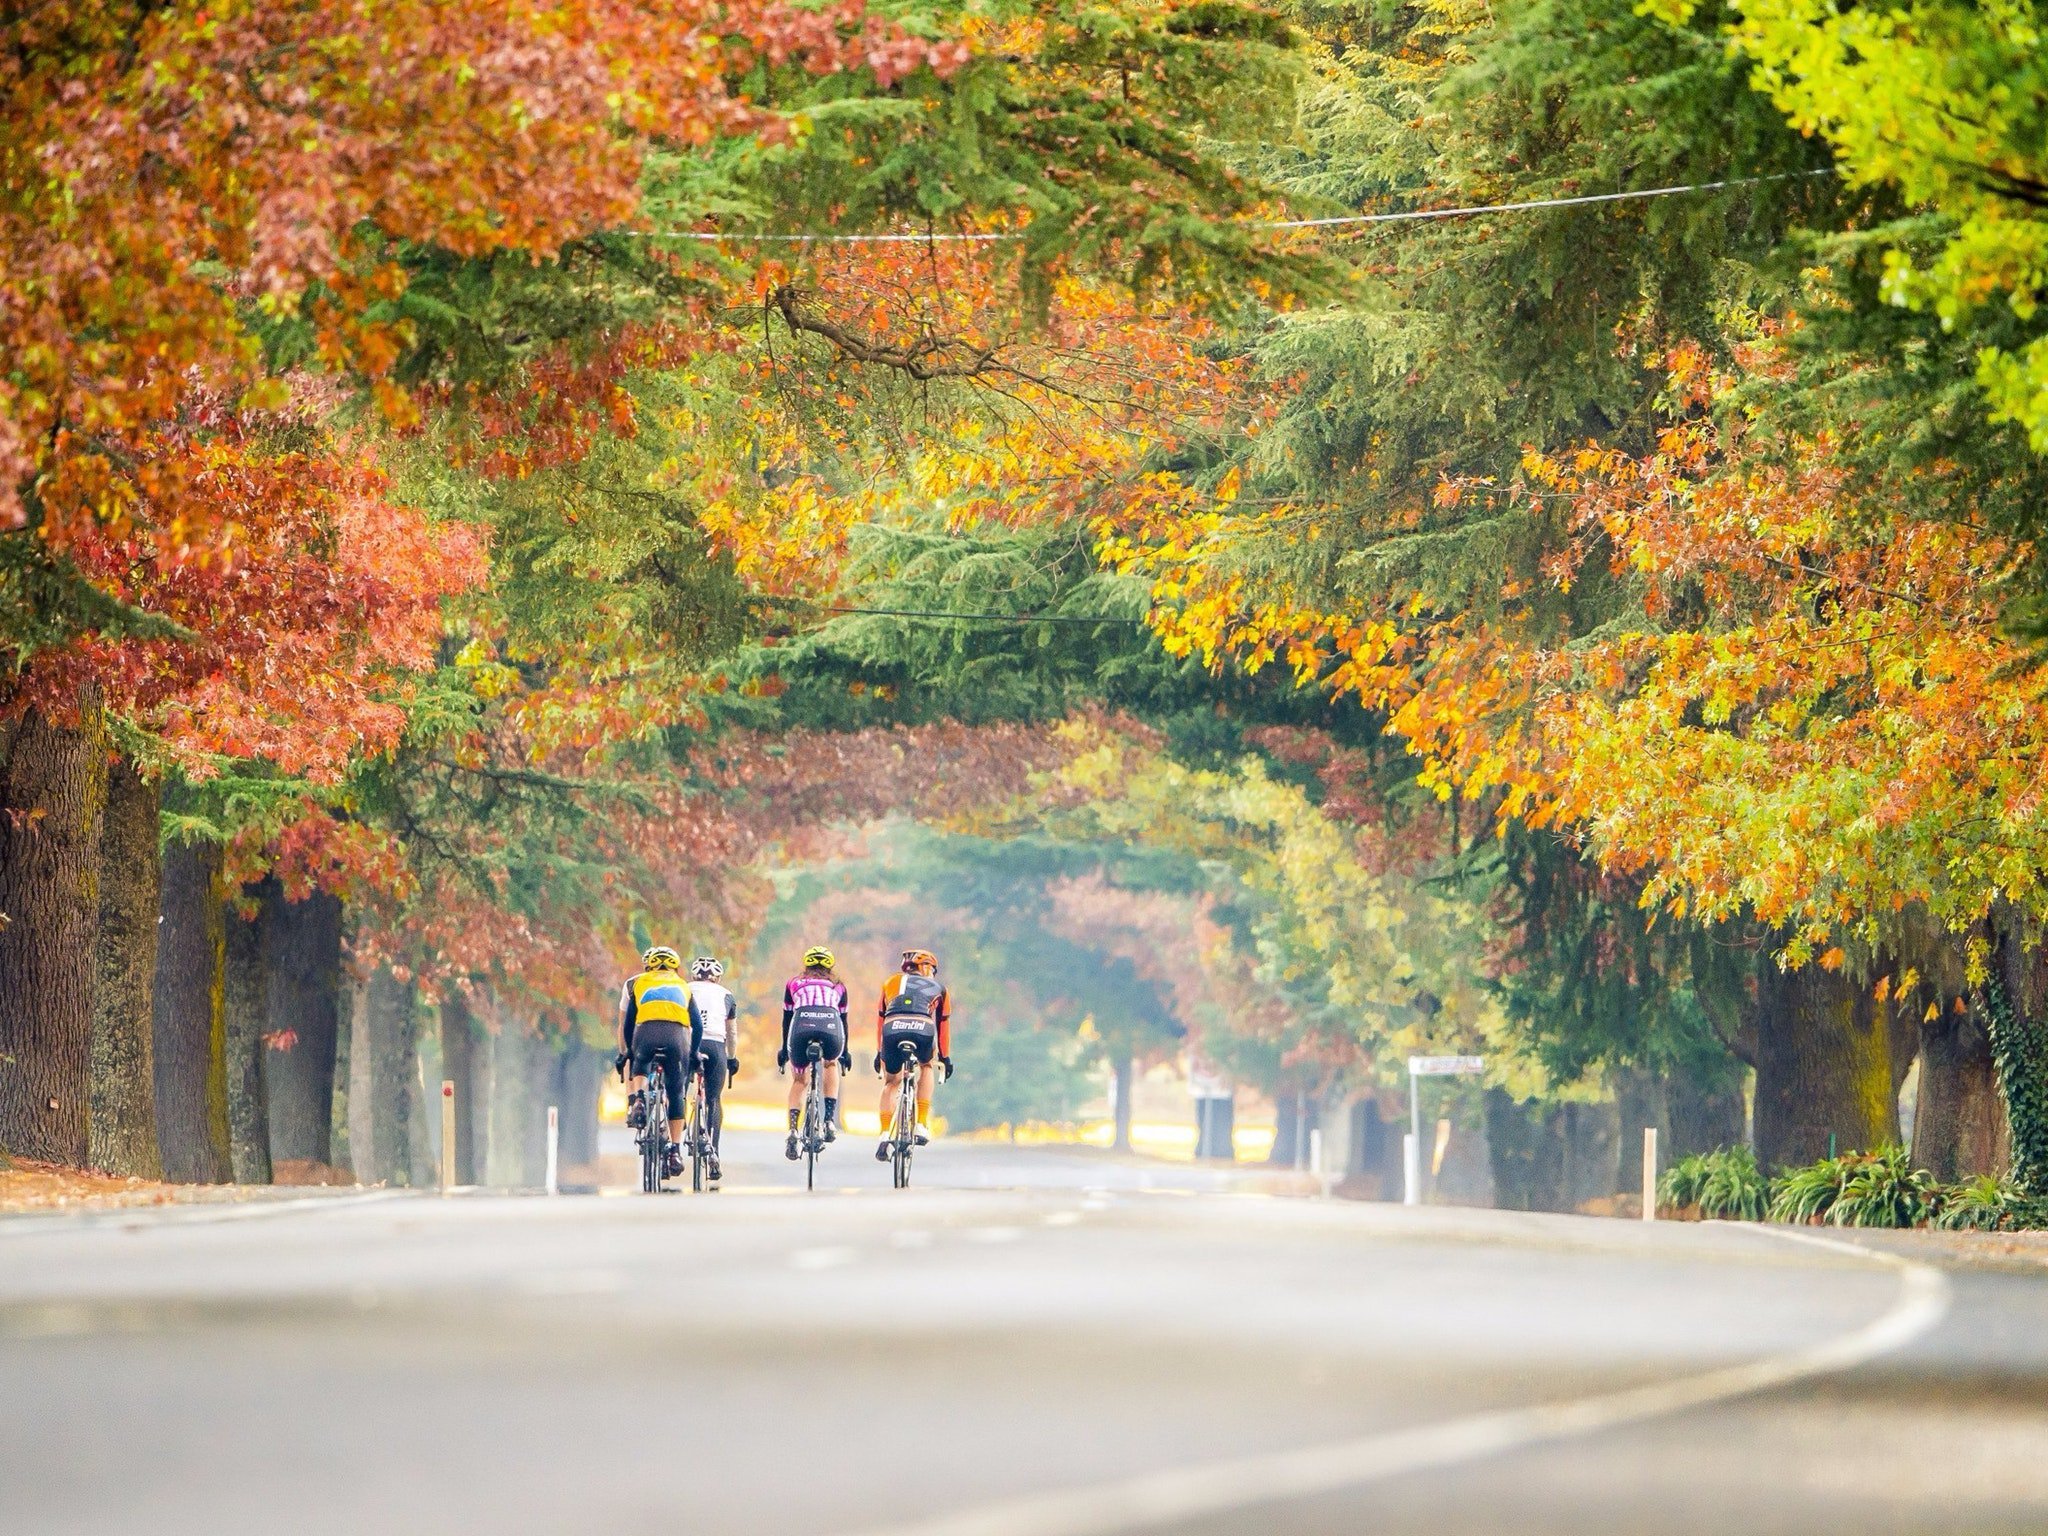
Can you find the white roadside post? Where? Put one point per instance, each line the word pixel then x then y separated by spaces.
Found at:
pixel 1649 1173
pixel 1411 1143
pixel 447 1135
pixel 554 1150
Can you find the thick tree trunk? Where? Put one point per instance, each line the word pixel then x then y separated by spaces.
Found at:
pixel 2016 1013
pixel 191 1018
pixel 1824 1081
pixel 1294 1115
pixel 52 798
pixel 1126 1079
pixel 1705 1115
pixel 1959 1126
pixel 463 1060
pixel 583 1072
pixel 123 1122
pixel 305 1011
pixel 390 1009
pixel 506 1108
pixel 248 1005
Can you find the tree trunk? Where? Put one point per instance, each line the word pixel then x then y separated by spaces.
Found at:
pixel 191 1018
pixel 463 1059
pixel 2016 1013
pixel 505 1152
pixel 1959 1126
pixel 123 1119
pixel 583 1072
pixel 1705 1115
pixel 1126 1077
pixel 247 1007
pixel 305 1011
pixel 1294 1114
pixel 1824 1081
pixel 390 1011
pixel 52 799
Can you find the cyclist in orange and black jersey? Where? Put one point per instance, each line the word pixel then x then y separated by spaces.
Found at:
pixel 913 1020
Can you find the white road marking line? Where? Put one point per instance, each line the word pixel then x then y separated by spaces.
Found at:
pixel 1158 1499
pixel 1063 1219
pixel 821 1258
pixel 136 1218
pixel 992 1234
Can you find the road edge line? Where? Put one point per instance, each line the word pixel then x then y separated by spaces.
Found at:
pixel 1158 1499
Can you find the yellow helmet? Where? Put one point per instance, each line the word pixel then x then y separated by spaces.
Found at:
pixel 662 958
pixel 819 955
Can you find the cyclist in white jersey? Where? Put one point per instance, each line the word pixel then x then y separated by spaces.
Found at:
pixel 719 1046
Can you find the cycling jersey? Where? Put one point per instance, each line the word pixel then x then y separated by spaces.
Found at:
pixel 656 996
pixel 910 1001
pixel 814 1009
pixel 717 1008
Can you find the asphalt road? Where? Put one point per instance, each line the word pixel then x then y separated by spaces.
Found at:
pixel 1028 1343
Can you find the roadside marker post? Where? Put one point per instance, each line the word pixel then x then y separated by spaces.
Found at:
pixel 1420 1067
pixel 554 1150
pixel 1649 1173
pixel 447 1135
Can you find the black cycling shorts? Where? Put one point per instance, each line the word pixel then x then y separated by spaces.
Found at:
pixel 675 1047
pixel 907 1035
pixel 830 1039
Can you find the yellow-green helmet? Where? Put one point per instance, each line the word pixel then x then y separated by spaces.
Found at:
pixel 818 955
pixel 662 958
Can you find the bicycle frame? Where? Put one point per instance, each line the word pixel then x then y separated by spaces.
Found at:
pixel 903 1140
pixel 697 1128
pixel 814 1113
pixel 654 1135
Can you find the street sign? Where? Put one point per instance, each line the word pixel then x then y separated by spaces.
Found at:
pixel 1445 1066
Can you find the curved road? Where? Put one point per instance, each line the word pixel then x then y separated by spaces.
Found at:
pixel 1032 1343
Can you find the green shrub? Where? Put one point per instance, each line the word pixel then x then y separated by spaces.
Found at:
pixel 1989 1204
pixel 1884 1189
pixel 1800 1195
pixel 1857 1189
pixel 1734 1188
pixel 1683 1181
pixel 1724 1185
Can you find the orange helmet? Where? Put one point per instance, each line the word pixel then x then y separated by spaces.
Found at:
pixel 923 961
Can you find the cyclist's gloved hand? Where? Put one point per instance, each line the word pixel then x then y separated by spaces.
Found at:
pixel 878 1063
pixel 846 1063
pixel 782 1058
pixel 619 1065
pixel 947 1063
pixel 732 1068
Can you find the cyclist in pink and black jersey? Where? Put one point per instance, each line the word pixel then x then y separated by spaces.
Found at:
pixel 814 1012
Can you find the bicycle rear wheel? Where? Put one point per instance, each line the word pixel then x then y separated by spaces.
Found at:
pixel 697 1133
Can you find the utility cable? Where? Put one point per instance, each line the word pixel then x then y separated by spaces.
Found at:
pixel 1336 221
pixel 984 618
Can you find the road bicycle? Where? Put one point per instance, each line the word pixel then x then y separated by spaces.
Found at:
pixel 697 1126
pixel 654 1142
pixel 813 1124
pixel 903 1138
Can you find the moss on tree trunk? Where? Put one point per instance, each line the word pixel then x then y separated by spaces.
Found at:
pixel 1824 1071
pixel 391 1023
pixel 122 1136
pixel 52 798
pixel 191 1017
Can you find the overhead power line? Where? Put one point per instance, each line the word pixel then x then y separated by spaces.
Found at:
pixel 1335 221
pixel 976 618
